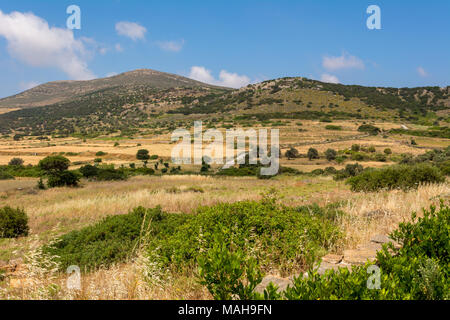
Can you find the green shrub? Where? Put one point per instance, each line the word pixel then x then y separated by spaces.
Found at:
pixel 104 243
pixel 16 162
pixel 417 270
pixel 89 171
pixel 285 238
pixel 312 154
pixel 63 178
pixel 13 223
pixel 370 129
pixel 142 155
pixel 5 176
pixel 292 153
pixel 350 170
pixel 52 164
pixel 100 154
pixel 330 154
pixel 288 238
pixel 228 273
pixel 395 177
pixel 333 127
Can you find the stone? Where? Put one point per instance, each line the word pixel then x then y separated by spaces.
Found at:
pixel 281 283
pixel 325 266
pixel 382 239
pixel 333 258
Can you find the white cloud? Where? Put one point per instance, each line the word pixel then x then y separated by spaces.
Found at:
pixel 173 46
pixel 226 79
pixel 422 72
pixel 329 78
pixel 118 47
pixel 111 74
pixel 131 30
pixel 345 61
pixel 32 41
pixel 28 85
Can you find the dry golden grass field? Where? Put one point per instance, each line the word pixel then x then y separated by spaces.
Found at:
pixel 57 211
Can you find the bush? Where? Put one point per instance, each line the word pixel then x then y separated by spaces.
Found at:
pixel 89 171
pixel 330 154
pixel 417 270
pixel 52 164
pixel 395 177
pixel 387 151
pixel 288 238
pixel 356 147
pixel 312 154
pixel 6 176
pixel 350 170
pixel 63 178
pixel 142 155
pixel 16 162
pixel 333 127
pixel 108 241
pixel 370 129
pixel 100 154
pixel 292 153
pixel 13 223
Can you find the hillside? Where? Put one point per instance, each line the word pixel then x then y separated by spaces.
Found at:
pixel 60 91
pixel 146 99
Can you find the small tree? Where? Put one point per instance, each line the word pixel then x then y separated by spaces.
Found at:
pixel 142 155
pixel 313 154
pixel 331 154
pixel 292 153
pixel 16 162
pixel 56 169
pixel 356 147
pixel 387 151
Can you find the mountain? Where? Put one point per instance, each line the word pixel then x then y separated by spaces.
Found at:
pixel 151 102
pixel 60 91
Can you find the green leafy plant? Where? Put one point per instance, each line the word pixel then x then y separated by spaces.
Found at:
pixel 13 223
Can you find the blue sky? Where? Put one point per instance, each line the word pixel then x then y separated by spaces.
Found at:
pixel 226 42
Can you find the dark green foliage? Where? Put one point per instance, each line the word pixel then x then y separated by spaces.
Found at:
pixel 292 153
pixel 40 184
pixel 108 241
pixel 20 171
pixel 100 154
pixel 52 164
pixel 418 270
pixel 228 272
pixel 387 151
pixel 289 238
pixel 13 223
pixel 356 147
pixel 395 177
pixel 89 171
pixel 333 127
pixel 16 162
pixel 368 128
pixel 142 155
pixel 330 154
pixel 5 176
pixel 312 154
pixel 350 170
pixel 63 178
